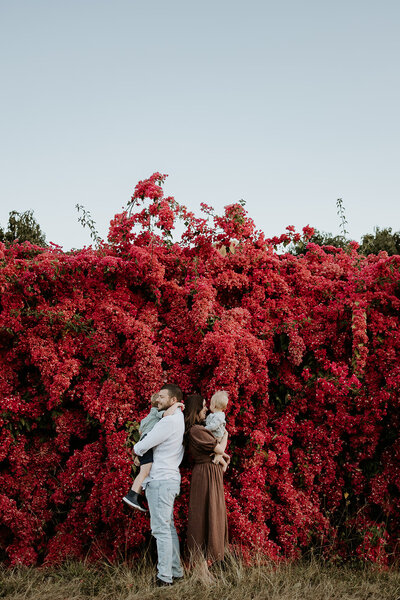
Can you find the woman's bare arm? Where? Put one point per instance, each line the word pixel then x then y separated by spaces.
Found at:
pixel 221 446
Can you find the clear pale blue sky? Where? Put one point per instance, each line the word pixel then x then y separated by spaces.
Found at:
pixel 288 104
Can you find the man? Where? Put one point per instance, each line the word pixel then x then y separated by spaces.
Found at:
pixel 163 483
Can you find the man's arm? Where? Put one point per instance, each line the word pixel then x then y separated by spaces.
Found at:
pixel 160 432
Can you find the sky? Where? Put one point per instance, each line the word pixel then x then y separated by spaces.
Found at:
pixel 288 105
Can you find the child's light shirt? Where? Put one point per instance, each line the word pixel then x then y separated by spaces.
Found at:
pixel 147 424
pixel 215 424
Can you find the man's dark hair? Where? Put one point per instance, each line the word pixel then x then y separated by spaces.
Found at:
pixel 174 391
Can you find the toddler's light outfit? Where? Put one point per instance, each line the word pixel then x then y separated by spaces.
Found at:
pixel 215 424
pixel 146 425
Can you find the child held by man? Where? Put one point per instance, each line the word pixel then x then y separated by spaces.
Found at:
pixel 133 498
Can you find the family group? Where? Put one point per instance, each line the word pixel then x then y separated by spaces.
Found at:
pixel 169 429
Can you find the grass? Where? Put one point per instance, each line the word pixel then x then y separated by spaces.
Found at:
pixel 306 580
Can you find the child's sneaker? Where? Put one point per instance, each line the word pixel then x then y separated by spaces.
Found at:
pixel 133 500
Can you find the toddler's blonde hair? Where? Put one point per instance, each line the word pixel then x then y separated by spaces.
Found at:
pixel 220 399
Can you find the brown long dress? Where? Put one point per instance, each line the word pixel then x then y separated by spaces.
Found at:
pixel 207 522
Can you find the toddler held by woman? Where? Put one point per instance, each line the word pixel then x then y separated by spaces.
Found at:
pixel 215 421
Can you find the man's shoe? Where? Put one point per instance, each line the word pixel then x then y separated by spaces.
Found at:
pixel 133 500
pixel 161 583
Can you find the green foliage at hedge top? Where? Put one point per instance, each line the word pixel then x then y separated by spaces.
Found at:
pixel 22 227
pixel 382 240
pixel 307 346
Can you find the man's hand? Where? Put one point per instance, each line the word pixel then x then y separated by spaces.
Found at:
pixel 171 410
pixel 136 461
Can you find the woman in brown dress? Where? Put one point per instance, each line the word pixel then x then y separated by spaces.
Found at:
pixel 207 533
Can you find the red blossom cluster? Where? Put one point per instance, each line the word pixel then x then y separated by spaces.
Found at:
pixel 307 346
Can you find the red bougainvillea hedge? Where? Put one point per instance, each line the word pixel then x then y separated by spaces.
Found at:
pixel 308 347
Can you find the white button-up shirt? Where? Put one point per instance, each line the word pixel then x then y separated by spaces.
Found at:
pixel 166 439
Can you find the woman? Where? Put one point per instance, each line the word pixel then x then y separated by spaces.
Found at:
pixel 207 533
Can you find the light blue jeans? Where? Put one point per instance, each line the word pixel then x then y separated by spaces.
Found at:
pixel 160 496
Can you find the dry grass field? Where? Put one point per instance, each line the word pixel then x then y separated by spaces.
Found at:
pixel 306 580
